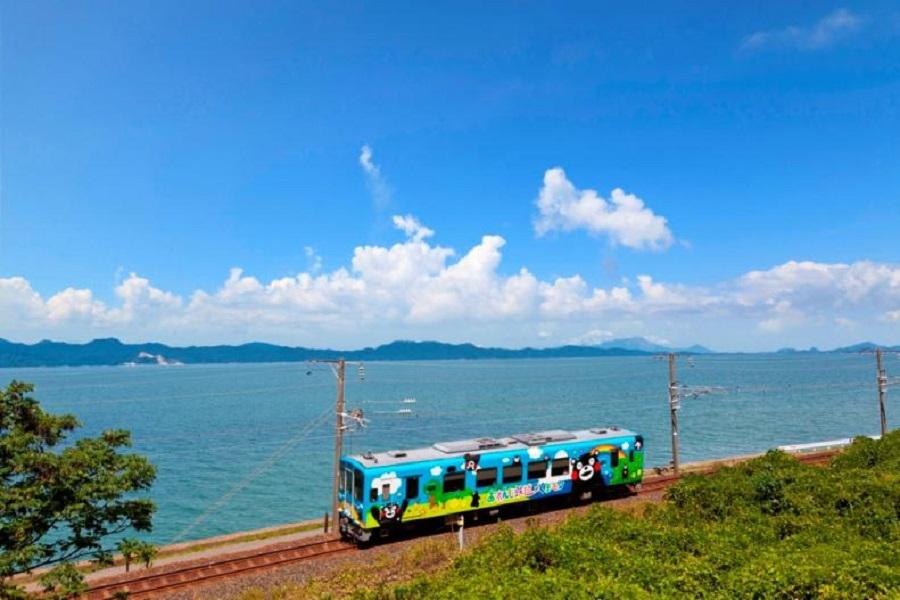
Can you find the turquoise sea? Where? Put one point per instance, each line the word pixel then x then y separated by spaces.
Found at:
pixel 233 446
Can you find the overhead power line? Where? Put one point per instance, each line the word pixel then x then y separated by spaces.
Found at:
pixel 252 476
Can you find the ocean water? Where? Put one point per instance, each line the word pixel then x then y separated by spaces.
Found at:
pixel 246 446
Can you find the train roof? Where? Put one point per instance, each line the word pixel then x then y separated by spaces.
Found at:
pixel 459 448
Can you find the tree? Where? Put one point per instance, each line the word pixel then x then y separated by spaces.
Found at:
pixel 132 549
pixel 128 549
pixel 60 499
pixel 146 553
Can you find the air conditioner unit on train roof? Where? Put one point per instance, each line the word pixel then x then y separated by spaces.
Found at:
pixel 544 437
pixel 469 445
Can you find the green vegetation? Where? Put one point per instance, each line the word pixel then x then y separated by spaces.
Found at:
pixel 768 528
pixel 60 499
pixel 132 549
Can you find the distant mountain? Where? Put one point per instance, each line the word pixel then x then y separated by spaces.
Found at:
pixel 110 351
pixel 866 347
pixel 642 344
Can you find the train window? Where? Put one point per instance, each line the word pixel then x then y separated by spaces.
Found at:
pixel 614 458
pixel 486 477
pixel 412 488
pixel 537 469
pixel 373 495
pixel 559 467
pixel 454 482
pixel 631 455
pixel 385 491
pixel 512 473
pixel 358 485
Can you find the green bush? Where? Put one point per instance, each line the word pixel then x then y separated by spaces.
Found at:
pixel 768 528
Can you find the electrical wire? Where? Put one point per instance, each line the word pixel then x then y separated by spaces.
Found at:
pixel 253 475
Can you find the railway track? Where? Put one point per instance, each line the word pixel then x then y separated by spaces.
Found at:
pixel 155 584
pixel 164 581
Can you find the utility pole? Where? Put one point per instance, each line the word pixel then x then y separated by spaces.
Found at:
pixel 881 378
pixel 673 410
pixel 677 392
pixel 339 367
pixel 338 440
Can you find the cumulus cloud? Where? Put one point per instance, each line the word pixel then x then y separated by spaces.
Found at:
pixel 623 218
pixel 19 302
pixel 72 304
pixel 415 286
pixel 822 34
pixel 820 285
pixel 378 186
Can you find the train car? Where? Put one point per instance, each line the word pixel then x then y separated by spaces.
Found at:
pixel 380 493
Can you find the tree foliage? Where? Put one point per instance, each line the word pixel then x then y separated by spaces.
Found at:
pixel 60 498
pixel 769 528
pixel 132 549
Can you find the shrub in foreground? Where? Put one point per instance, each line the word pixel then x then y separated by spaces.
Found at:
pixel 769 528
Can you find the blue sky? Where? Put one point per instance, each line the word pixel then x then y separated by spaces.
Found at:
pixel 149 148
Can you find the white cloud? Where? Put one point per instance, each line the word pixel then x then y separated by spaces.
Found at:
pixel 418 289
pixel 845 323
pixel 674 297
pixel 74 304
pixel 414 230
pixel 822 34
pixel 624 218
pixel 378 186
pixel 783 315
pixel 141 303
pixel 313 260
pixel 569 296
pixel 18 301
pixel 592 337
pixel 817 285
pixel 471 288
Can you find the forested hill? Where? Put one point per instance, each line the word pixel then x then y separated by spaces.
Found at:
pixel 111 351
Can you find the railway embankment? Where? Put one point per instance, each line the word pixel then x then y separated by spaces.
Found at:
pixel 264 570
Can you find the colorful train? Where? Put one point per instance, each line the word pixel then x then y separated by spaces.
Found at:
pixel 382 493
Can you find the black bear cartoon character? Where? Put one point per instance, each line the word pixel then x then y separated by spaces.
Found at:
pixel 584 470
pixel 390 513
pixel 476 499
pixel 470 462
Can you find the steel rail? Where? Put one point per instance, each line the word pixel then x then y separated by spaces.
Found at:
pixel 145 586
